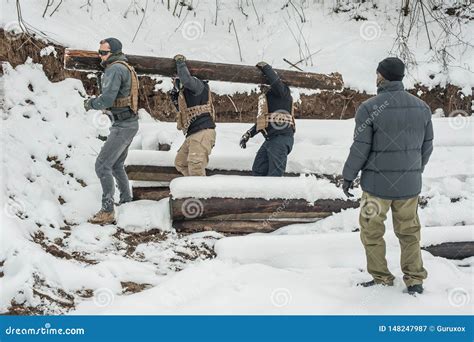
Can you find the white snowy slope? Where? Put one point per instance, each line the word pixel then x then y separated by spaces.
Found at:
pixel 316 274
pixel 49 190
pixel 271 31
pixel 47 248
pixel 52 261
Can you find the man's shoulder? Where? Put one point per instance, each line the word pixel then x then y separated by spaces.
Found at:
pixel 117 67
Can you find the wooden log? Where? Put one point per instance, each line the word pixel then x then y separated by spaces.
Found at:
pixel 231 227
pixel 452 250
pixel 150 193
pixel 254 208
pixel 89 61
pixel 154 173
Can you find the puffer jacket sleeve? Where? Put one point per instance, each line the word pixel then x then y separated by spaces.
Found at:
pixel 111 83
pixel 427 147
pixel 361 146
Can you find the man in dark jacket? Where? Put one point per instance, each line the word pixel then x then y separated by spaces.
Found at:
pixel 196 117
pixel 275 120
pixel 119 100
pixel 393 141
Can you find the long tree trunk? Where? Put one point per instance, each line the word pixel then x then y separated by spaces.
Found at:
pixel 254 208
pixel 89 61
pixel 155 173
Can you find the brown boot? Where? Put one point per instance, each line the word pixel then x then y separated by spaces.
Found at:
pixel 103 217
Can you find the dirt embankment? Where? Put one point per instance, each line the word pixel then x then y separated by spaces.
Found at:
pixel 230 108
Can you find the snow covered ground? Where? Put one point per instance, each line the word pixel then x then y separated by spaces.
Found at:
pixel 52 261
pixel 302 274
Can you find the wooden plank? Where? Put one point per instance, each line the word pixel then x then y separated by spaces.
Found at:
pixel 89 61
pixel 254 208
pixel 452 250
pixel 154 173
pixel 232 227
pixel 150 193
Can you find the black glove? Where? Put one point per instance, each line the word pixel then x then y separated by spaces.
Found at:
pixel 346 185
pixel 245 138
pixel 174 95
pixel 87 104
pixel 260 65
pixel 179 58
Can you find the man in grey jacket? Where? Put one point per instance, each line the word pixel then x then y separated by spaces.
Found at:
pixel 119 100
pixel 393 141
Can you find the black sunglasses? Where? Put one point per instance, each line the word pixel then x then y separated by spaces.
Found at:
pixel 104 52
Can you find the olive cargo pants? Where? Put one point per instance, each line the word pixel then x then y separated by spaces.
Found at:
pixel 193 156
pixel 406 225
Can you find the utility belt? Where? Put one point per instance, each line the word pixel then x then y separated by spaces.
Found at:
pixel 121 116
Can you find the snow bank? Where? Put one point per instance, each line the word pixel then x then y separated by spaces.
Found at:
pixel 321 146
pixel 264 274
pixel 140 216
pixel 49 190
pixel 304 187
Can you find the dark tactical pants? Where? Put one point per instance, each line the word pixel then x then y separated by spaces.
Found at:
pixel 272 156
pixel 110 162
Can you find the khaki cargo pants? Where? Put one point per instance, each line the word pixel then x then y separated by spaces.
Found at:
pixel 193 155
pixel 406 224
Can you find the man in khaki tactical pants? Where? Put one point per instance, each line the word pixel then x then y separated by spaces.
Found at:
pixel 196 116
pixel 393 141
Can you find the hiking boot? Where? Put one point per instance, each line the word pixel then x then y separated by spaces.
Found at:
pixel 414 289
pixel 373 283
pixel 103 217
pixel 122 202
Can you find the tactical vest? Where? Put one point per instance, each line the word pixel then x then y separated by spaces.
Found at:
pixel 186 115
pixel 279 119
pixel 132 99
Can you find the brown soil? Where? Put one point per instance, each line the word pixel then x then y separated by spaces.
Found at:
pixel 326 105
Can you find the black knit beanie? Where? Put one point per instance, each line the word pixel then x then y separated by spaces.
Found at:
pixel 392 69
pixel 115 45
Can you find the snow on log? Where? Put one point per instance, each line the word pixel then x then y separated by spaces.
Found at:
pixel 241 205
pixel 89 61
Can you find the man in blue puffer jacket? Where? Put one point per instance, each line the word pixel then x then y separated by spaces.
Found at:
pixel 393 141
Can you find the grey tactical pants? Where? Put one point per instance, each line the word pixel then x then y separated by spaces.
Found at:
pixel 110 162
